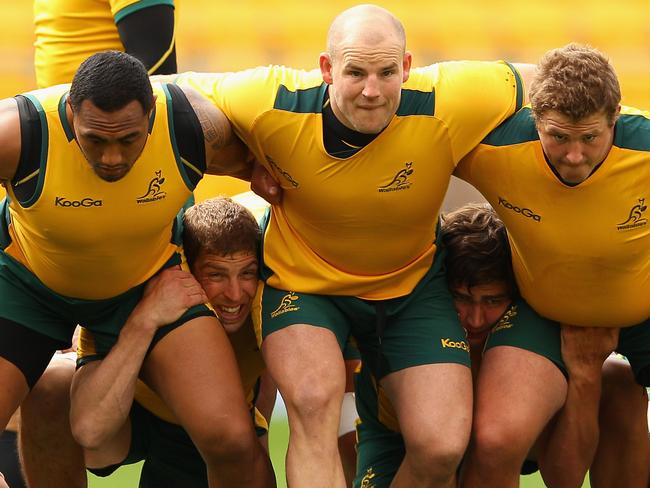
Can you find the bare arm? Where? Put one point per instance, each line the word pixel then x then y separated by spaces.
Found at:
pixel 225 154
pixel 102 391
pixel 573 439
pixel 527 72
pixel 9 139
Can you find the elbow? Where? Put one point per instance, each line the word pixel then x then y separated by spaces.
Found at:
pixel 87 431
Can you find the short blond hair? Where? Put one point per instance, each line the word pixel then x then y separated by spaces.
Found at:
pixel 577 81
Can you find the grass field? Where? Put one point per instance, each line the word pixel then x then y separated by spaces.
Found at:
pixel 127 476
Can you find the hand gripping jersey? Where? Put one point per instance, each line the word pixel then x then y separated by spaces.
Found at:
pixel 68 31
pixel 581 254
pixel 87 238
pixel 364 225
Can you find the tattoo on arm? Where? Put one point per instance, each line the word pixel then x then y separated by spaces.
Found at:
pixel 214 135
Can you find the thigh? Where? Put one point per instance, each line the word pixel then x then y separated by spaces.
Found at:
pixel 517 394
pixel 206 392
pixel 440 419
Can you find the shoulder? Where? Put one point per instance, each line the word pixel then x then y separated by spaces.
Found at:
pixel 517 129
pixel 633 129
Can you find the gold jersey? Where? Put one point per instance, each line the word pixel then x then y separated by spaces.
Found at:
pixel 87 238
pixel 581 254
pixel 363 225
pixel 68 31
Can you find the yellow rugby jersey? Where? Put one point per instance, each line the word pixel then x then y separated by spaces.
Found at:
pixel 363 225
pixel 249 359
pixel 85 237
pixel 68 31
pixel 581 254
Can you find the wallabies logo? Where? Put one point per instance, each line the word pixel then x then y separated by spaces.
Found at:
pixel 154 192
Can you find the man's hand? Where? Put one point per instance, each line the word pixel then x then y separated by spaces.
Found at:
pixel 168 295
pixel 584 349
pixel 264 185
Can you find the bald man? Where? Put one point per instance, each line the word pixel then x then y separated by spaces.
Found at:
pixel 364 148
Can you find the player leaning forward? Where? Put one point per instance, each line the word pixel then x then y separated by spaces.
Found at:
pixel 570 178
pixel 364 149
pixel 96 172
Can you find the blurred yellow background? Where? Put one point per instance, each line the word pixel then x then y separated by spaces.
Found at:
pixel 220 36
pixel 215 36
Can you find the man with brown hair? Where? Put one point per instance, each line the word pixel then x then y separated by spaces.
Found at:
pixel 569 177
pixel 364 148
pixel 479 273
pixel 114 416
pixel 96 172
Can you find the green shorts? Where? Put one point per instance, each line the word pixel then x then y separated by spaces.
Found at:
pixel 420 328
pixel 28 302
pixel 524 328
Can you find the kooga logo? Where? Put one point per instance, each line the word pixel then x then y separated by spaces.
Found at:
pixel 84 202
pixel 526 212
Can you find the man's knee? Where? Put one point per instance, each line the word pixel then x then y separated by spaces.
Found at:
pixel 231 441
pixel 438 454
pixel 498 443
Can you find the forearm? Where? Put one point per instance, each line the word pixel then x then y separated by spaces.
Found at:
pixel 573 440
pixel 102 392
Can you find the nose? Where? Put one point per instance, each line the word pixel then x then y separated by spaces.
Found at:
pixel 233 291
pixel 475 318
pixel 371 87
pixel 112 156
pixel 575 154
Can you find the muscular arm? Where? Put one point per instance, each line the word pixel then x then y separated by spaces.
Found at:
pixel 148 34
pixel 102 391
pixel 9 139
pixel 225 154
pixel 527 72
pixel 573 439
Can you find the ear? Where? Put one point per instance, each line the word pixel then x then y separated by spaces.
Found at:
pixel 153 105
pixel 325 63
pixel 617 114
pixel 406 65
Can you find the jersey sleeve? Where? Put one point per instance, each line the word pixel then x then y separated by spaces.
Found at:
pixel 246 95
pixel 472 98
pixel 122 8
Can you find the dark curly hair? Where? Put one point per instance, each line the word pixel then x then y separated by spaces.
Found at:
pixel 477 247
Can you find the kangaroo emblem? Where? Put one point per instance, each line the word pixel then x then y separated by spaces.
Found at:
pixel 636 214
pixel 286 305
pixel 154 186
pixel 401 177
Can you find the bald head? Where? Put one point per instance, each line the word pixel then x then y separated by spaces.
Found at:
pixel 364 22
